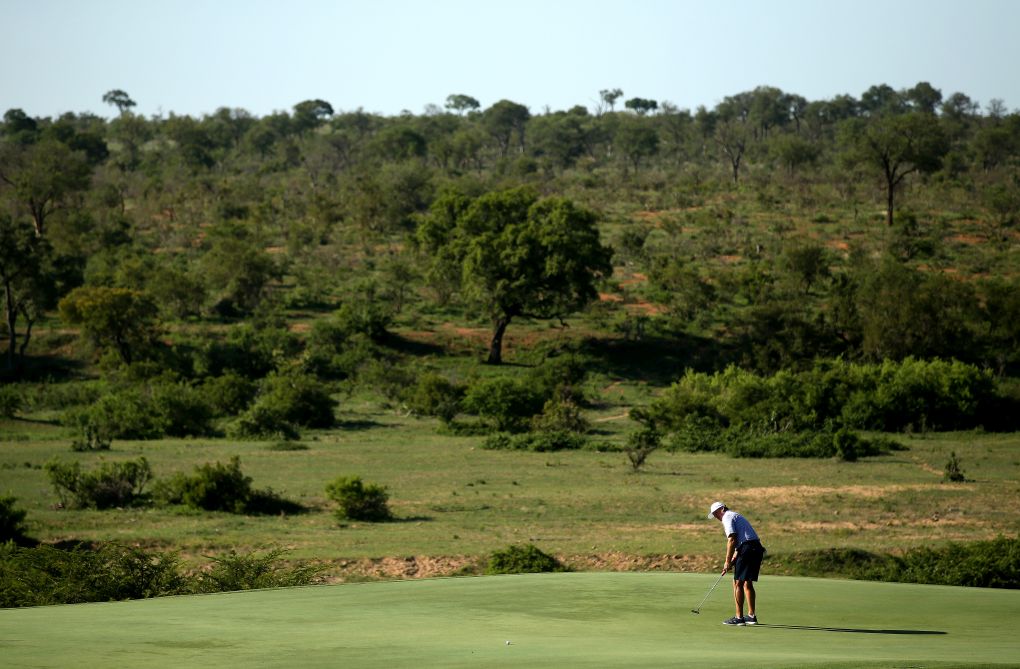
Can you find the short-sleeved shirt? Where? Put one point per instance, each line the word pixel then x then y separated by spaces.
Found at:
pixel 734 523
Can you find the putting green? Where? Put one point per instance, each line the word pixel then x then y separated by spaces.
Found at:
pixel 550 620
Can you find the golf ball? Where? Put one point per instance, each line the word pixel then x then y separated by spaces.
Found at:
pixel 508 643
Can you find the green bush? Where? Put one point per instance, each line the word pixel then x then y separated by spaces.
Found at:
pixel 640 444
pixel 526 559
pixel 251 351
pixel 45 575
pixel 435 395
pixel 701 436
pixel 112 485
pixel 229 394
pixel 12 400
pixel 91 437
pixel 110 572
pixel 151 410
pixel 182 409
pixel 231 572
pixel 983 564
pixel 560 414
pixel 125 414
pixel 358 500
pixel 285 402
pixel 890 396
pixel 65 395
pixel 12 520
pixel 538 442
pixel 508 404
pixel 212 487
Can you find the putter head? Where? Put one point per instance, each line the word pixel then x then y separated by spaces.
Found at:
pixel 695 611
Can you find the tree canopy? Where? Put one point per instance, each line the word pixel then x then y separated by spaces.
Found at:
pixel 519 256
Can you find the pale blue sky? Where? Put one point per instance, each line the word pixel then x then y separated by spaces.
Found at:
pixel 193 56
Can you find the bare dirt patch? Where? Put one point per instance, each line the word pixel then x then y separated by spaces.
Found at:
pixel 424 566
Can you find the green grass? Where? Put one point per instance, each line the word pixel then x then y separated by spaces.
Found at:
pixel 550 620
pixel 451 498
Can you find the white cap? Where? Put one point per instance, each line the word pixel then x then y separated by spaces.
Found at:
pixel 715 507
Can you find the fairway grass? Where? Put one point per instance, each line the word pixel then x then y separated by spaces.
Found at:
pixel 550 620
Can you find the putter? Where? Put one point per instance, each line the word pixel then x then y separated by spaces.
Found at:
pixel 698 610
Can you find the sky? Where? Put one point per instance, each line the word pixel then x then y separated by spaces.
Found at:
pixel 191 57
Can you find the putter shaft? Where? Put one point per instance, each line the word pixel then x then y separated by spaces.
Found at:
pixel 697 611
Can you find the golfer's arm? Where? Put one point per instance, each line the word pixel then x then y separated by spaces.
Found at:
pixel 731 547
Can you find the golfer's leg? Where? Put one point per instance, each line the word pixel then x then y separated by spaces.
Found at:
pixel 738 597
pixel 749 591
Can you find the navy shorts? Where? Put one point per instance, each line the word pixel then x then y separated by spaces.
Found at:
pixel 748 562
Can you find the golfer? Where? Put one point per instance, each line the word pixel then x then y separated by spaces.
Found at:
pixel 744 553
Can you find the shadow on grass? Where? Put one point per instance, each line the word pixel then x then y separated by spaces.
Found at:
pixel 850 629
pixel 658 360
pixel 268 503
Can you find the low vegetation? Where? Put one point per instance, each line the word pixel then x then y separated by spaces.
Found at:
pixel 570 327
pixel 982 564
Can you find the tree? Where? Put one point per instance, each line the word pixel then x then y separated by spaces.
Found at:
pixel 119 99
pixel 636 140
pixel 461 103
pixel 25 282
pixel 560 138
pixel 924 98
pixel 311 114
pixel 641 106
pixel 19 127
pixel 732 137
pixel 503 120
pixel 896 146
pixel 516 255
pixel 42 176
pixel 119 317
pixel 882 99
pixel 609 96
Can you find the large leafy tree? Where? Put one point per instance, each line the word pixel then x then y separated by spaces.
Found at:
pixel 895 146
pixel 27 281
pixel 513 255
pixel 42 176
pixel 119 99
pixel 504 121
pixel 121 318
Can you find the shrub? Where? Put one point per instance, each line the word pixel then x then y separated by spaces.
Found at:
pixel 213 487
pixel 125 414
pixel 526 559
pixel 358 500
pixel 182 409
pixel 112 485
pixel 12 401
pixel 832 394
pixel 984 564
pixel 284 402
pixel 229 394
pixel 953 471
pixel 248 350
pixel 91 437
pixel 149 411
pixel 12 519
pixel 67 395
pixel 264 421
pixel 508 404
pixel 231 572
pixel 110 572
pixel 435 395
pixel 560 414
pixel 641 444
pixel 538 442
